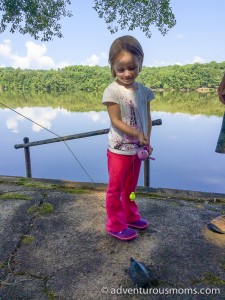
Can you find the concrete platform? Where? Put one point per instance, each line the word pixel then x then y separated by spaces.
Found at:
pixel 66 254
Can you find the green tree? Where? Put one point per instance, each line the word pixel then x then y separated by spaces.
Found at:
pixel 40 18
pixel 136 14
pixel 34 17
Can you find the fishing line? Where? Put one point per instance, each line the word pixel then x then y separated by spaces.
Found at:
pixel 53 134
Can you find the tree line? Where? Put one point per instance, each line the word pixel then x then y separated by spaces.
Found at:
pixel 95 79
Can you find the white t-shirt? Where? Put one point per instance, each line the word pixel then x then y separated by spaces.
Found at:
pixel 133 107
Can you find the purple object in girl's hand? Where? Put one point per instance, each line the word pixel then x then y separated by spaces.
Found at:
pixel 142 154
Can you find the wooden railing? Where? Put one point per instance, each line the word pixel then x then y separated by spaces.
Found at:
pixel 27 144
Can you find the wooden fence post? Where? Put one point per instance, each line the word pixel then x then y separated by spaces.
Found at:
pixel 147 173
pixel 27 157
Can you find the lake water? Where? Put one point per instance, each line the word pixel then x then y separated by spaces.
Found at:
pixel 184 148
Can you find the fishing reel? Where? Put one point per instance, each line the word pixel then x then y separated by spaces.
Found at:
pixel 143 153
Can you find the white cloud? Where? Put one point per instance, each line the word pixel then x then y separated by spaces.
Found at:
pixel 178 63
pixel 94 116
pixel 94 59
pixel 198 59
pixel 162 63
pixel 42 116
pixel 12 123
pixel 97 117
pixel 35 57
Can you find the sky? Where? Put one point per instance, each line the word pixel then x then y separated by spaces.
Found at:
pixel 198 36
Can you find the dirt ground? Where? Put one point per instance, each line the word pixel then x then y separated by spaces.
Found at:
pixel 64 252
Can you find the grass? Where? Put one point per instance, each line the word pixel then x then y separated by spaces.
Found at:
pixel 210 278
pixel 34 184
pixel 26 239
pixel 3 265
pixel 14 196
pixel 42 210
pixel 83 190
pixel 26 182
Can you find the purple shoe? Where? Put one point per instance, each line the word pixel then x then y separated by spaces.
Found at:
pixel 124 235
pixel 140 224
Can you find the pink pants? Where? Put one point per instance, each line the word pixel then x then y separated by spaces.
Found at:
pixel 123 177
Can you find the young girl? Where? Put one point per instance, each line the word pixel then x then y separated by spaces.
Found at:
pixel 128 105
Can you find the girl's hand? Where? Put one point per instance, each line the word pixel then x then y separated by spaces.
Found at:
pixel 143 139
pixel 149 149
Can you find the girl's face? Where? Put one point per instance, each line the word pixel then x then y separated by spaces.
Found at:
pixel 127 67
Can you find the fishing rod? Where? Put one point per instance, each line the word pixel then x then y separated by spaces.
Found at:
pixel 53 134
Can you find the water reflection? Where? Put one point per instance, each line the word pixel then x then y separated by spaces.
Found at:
pixel 184 147
pixel 42 116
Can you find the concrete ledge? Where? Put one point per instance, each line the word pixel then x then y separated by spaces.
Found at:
pixel 153 192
